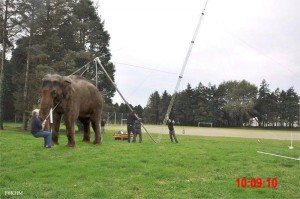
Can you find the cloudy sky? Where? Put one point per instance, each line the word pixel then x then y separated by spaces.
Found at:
pixel 238 39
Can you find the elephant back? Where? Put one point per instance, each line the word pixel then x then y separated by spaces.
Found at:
pixel 84 88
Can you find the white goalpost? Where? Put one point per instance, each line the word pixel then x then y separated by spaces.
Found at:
pixel 291 147
pixel 205 124
pixel 123 121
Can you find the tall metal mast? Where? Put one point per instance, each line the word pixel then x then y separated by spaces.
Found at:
pixel 185 64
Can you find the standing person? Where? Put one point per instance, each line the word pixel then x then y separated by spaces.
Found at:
pixel 130 124
pixel 137 130
pixel 103 122
pixel 170 123
pixel 37 129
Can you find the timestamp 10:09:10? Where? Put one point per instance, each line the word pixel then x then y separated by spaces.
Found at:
pixel 256 183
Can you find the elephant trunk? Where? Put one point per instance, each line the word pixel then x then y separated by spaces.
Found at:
pixel 45 106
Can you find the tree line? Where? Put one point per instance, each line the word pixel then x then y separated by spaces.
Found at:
pixel 48 36
pixel 230 104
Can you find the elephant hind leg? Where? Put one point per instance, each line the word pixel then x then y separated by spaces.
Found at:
pixel 96 128
pixel 86 129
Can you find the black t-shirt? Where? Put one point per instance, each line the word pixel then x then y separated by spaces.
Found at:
pixel 36 125
pixel 131 118
pixel 170 124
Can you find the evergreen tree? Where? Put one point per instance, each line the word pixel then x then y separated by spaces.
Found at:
pixel 215 105
pixel 289 107
pixel 8 111
pixel 202 103
pixel 163 105
pixel 123 108
pixel 184 106
pixel 139 110
pixel 262 103
pixel 65 36
pixel 151 112
pixel 273 112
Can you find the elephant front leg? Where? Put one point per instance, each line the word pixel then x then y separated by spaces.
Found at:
pixel 70 126
pixel 55 128
pixel 70 135
pixel 96 128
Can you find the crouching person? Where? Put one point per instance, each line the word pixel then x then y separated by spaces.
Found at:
pixel 37 129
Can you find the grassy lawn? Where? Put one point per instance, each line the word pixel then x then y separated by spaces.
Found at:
pixel 197 167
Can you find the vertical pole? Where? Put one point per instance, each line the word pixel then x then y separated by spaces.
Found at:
pixel 291 147
pixel 115 117
pixel 121 119
pixel 51 119
pixel 96 68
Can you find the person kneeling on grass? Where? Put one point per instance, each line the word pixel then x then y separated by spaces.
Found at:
pixel 37 129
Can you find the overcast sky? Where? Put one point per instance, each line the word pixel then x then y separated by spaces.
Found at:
pixel 238 39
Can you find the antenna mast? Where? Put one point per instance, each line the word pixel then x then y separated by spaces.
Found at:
pixel 185 63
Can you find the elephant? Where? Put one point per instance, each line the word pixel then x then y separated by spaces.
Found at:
pixel 75 98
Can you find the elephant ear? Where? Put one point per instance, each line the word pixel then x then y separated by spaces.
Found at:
pixel 67 87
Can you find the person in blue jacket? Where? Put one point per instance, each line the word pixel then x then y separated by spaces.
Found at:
pixel 37 129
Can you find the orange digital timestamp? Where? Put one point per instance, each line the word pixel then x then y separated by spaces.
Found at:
pixel 256 183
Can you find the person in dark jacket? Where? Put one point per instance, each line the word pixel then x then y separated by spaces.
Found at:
pixel 130 124
pixel 137 130
pixel 37 129
pixel 170 122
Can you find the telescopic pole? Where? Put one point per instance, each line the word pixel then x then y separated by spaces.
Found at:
pixel 185 63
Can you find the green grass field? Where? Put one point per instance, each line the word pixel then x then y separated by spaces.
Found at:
pixel 197 167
